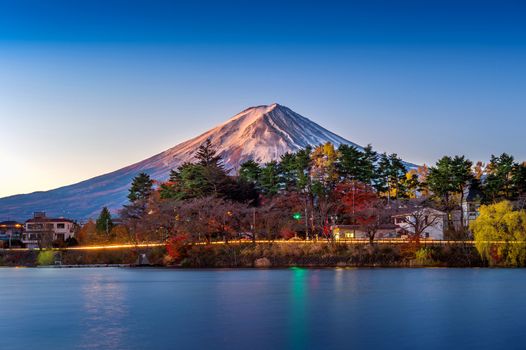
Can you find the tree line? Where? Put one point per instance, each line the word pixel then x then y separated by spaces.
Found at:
pixel 305 192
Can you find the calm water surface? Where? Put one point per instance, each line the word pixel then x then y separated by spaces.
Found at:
pixel 262 309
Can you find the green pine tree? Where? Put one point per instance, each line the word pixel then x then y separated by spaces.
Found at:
pixel 270 174
pixel 250 171
pixel 207 156
pixel 141 188
pixel 104 223
pixel 350 162
pixel 500 182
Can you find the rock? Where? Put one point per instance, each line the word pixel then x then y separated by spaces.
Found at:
pixel 262 262
pixel 142 260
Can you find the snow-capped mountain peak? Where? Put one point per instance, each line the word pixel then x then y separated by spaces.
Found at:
pixel 261 133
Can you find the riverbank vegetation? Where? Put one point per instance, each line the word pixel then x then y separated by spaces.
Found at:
pixel 247 255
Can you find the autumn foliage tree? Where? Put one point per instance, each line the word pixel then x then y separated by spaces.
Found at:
pixel 275 217
pixel 360 203
pixel 500 234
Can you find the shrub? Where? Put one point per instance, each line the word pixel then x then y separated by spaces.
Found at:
pixel 424 256
pixel 177 248
pixel 46 257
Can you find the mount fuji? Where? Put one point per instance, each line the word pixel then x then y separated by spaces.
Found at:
pixel 261 133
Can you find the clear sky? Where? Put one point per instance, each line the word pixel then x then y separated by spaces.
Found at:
pixel 87 87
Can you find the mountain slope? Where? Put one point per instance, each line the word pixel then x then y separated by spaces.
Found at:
pixel 261 133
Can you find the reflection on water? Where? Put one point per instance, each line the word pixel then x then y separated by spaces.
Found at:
pixel 64 309
pixel 298 312
pixel 104 313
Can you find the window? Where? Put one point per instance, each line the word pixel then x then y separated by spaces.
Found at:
pixel 61 225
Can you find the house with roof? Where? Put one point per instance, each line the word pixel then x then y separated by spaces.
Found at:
pixel 11 233
pixel 471 203
pixel 42 228
pixel 348 232
pixel 424 222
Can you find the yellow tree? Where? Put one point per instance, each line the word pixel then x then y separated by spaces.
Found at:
pixel 423 172
pixel 325 177
pixel 88 233
pixel 479 170
pixel 324 168
pixel 500 234
pixel 412 183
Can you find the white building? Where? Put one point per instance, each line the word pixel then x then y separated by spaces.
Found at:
pixel 429 222
pixel 41 228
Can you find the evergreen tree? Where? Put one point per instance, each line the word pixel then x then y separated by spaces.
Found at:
pixel 193 182
pixel 520 179
pixel 397 176
pixel 439 179
pixel 250 171
pixel 381 183
pixel 104 223
pixel 270 183
pixel 218 180
pixel 351 163
pixel 141 188
pixel 303 168
pixel 207 156
pixel 368 166
pixel 461 178
pixel 449 177
pixel 289 173
pixel 499 182
pixel 169 188
pixel 391 176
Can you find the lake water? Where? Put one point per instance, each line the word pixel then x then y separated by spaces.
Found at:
pixel 112 308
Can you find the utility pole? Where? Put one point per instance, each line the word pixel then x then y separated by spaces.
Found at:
pixel 254 224
pixel 388 191
pixel 306 222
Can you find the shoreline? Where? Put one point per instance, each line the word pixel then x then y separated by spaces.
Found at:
pixel 267 255
pixel 181 268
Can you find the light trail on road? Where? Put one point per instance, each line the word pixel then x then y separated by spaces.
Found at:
pixel 259 241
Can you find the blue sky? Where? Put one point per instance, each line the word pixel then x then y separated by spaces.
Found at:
pixel 87 87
